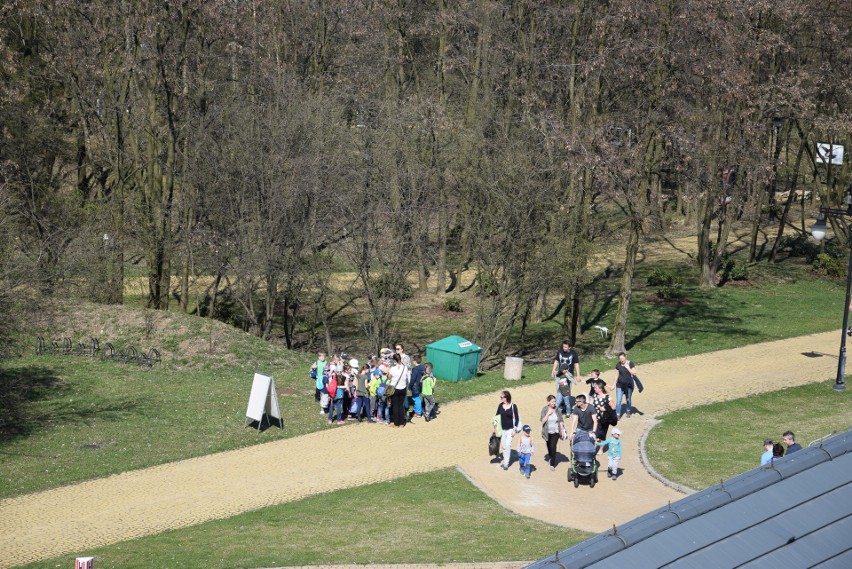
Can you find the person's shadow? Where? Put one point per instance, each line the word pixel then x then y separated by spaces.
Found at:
pixel 513 458
pixel 560 458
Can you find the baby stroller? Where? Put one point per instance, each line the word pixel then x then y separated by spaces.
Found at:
pixel 583 462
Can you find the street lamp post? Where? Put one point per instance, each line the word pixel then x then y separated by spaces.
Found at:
pixel 819 230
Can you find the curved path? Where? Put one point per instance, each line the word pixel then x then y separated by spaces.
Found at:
pixel 78 517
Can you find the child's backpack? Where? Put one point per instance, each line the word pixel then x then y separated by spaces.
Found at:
pixel 313 373
pixel 381 390
pixel 332 385
pixel 416 386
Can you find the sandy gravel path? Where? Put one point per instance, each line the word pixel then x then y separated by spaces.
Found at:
pixel 76 518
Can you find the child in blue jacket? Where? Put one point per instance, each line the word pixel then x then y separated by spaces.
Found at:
pixel 613 455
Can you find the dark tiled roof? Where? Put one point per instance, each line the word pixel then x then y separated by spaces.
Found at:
pixel 795 513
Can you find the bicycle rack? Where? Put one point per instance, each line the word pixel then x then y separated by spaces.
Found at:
pixel 109 352
pixel 129 354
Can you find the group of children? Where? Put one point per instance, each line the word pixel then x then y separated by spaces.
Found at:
pixel 346 390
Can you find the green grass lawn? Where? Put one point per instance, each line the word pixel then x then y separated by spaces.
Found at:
pixel 698 447
pixel 781 301
pixel 82 418
pixel 446 519
pixel 437 516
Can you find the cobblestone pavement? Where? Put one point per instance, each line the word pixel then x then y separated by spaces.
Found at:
pixel 495 565
pixel 143 502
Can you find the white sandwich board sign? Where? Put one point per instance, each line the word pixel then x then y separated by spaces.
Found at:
pixel 263 401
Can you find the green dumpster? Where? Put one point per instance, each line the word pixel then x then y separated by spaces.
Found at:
pixel 453 358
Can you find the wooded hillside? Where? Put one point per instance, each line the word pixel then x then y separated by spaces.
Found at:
pixel 266 145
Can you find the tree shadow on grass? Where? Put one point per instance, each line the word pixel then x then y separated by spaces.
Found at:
pixel 700 316
pixel 20 388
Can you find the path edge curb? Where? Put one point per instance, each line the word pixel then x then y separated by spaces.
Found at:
pixel 503 505
pixel 643 458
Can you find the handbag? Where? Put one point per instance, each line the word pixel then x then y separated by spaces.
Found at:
pixel 520 424
pixel 493 445
pixel 389 390
pixel 611 417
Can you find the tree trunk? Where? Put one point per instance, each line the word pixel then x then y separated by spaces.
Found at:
pixel 791 188
pixel 270 302
pixel 625 291
pixel 441 268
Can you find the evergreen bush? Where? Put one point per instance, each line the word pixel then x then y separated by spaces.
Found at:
pixel 661 277
pixel 827 265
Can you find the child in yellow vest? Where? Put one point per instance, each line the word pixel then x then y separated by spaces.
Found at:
pixel 428 391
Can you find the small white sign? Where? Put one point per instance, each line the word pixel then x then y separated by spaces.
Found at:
pixel 829 153
pixel 465 344
pixel 263 401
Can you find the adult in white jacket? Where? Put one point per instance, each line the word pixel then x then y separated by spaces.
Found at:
pixel 398 377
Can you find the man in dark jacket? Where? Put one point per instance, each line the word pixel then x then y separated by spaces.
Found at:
pixel 790 441
pixel 583 418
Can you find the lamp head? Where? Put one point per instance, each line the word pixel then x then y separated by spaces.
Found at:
pixel 819 229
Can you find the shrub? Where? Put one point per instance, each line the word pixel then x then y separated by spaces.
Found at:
pixel 834 249
pixel 829 266
pixel 452 304
pixel 802 246
pixel 392 286
pixel 670 291
pixel 732 270
pixel 738 272
pixel 661 277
